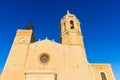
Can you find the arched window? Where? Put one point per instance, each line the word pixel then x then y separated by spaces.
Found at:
pixel 103 76
pixel 71 24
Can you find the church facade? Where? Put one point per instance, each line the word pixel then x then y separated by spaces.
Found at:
pixel 48 60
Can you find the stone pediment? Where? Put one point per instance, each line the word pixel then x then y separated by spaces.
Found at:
pixel 37 49
pixel 48 44
pixel 45 42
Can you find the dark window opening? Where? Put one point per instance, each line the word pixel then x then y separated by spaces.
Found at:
pixel 71 24
pixel 64 26
pixel 44 58
pixel 103 76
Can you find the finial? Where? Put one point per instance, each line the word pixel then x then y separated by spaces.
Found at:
pixel 53 40
pixel 46 38
pixel 68 12
pixel 39 39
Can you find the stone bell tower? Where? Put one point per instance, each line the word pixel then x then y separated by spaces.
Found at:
pixel 70 30
pixel 15 63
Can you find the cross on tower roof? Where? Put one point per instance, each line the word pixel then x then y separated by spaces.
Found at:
pixel 68 12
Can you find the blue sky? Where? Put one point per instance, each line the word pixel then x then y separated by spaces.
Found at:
pixel 100 24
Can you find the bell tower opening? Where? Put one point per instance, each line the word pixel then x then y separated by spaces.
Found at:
pixel 70 30
pixel 103 76
pixel 71 24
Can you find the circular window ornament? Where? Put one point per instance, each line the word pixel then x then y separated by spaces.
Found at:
pixel 44 58
pixel 22 39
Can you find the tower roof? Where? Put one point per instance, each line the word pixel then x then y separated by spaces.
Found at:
pixel 69 15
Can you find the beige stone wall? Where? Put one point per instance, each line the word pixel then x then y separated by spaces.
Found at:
pixel 14 67
pixel 106 68
pixel 67 60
